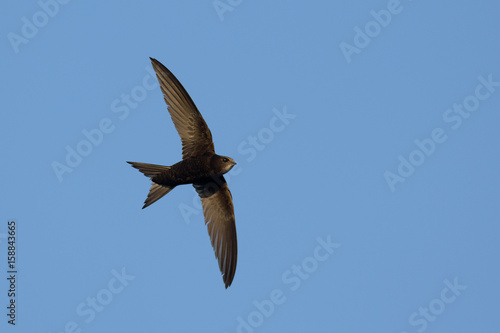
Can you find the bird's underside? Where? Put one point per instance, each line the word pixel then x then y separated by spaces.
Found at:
pixel 201 167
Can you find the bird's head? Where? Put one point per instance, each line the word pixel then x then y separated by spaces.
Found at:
pixel 222 164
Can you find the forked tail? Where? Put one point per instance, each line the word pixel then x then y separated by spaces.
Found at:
pixel 156 191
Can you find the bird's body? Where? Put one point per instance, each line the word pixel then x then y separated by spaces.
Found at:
pixel 194 170
pixel 201 167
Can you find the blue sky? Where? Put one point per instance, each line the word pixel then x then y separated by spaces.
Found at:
pixel 366 191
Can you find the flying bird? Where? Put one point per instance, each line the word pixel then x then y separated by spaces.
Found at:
pixel 201 167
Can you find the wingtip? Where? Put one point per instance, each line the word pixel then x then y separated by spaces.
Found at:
pixel 228 283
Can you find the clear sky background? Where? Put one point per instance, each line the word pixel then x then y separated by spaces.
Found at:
pixel 367 187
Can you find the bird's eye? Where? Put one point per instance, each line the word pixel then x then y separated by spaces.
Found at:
pixel 225 160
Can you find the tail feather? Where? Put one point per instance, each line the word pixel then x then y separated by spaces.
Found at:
pixel 149 170
pixel 156 191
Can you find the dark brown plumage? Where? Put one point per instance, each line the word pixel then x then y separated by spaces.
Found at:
pixel 201 167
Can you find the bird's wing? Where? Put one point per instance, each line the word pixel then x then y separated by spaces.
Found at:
pixel 219 218
pixel 192 128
